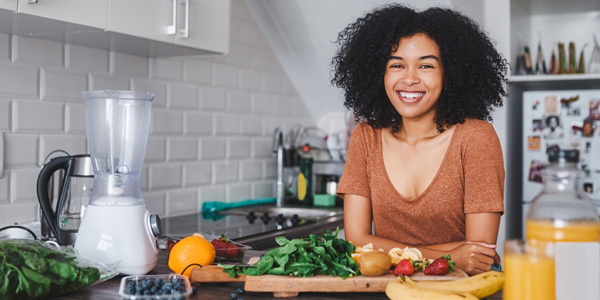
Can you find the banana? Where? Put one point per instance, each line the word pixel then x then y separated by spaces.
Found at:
pixel 480 285
pixel 399 290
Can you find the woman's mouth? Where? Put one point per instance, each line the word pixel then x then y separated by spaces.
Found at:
pixel 410 97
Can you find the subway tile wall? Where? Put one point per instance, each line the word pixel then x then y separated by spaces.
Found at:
pixel 212 123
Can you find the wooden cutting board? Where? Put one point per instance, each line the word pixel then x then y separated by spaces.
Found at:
pixel 288 286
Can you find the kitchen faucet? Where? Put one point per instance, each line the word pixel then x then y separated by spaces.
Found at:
pixel 278 148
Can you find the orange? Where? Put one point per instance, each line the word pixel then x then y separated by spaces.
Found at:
pixel 191 250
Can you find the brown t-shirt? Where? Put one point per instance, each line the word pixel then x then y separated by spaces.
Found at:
pixel 470 180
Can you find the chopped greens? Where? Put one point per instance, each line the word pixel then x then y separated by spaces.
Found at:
pixel 29 270
pixel 325 255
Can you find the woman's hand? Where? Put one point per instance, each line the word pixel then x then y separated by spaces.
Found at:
pixel 475 257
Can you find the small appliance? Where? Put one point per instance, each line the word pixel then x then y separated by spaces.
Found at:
pixel 117 228
pixel 63 213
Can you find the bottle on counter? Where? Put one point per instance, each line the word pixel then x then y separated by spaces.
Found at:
pixel 563 223
pixel 305 194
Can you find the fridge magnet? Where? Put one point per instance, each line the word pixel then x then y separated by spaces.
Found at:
pixel 566 102
pixel 534 143
pixel 588 146
pixel 588 128
pixel 595 109
pixel 537 125
pixel 535 105
pixel 553 129
pixel 535 171
pixel 552 147
pixel 551 105
pixel 588 187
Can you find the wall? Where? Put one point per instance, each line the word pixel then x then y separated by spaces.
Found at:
pixel 212 123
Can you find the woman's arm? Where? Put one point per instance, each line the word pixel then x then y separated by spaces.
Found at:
pixel 474 255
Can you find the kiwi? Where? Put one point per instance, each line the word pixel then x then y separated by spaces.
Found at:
pixel 374 263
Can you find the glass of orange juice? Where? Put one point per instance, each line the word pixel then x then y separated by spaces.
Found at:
pixel 529 270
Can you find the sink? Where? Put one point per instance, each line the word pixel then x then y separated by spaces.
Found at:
pixel 308 213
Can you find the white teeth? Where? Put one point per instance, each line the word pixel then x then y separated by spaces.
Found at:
pixel 411 95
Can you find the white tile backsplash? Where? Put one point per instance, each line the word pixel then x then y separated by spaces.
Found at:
pixel 226 76
pixel 63 86
pixel 19 81
pixel 5 114
pixel 84 58
pixel 181 202
pixel 212 117
pixel 128 65
pixel 22 189
pixel 38 116
pixel 165 175
pixel 4 48
pixel 198 72
pixel 20 150
pixel 101 82
pixel 183 96
pixel 182 148
pixel 212 148
pixel 31 50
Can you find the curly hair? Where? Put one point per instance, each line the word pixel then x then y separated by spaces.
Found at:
pixel 474 71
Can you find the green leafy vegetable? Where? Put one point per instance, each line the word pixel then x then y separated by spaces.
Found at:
pixel 29 270
pixel 325 255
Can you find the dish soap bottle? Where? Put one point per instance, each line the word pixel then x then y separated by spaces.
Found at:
pixel 305 177
pixel 564 219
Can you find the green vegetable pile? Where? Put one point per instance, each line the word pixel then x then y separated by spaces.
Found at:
pixel 326 255
pixel 30 270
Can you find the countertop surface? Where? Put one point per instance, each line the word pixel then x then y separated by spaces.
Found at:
pixel 110 289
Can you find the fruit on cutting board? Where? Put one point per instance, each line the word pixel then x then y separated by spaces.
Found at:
pixel 404 268
pixel 191 250
pixel 395 254
pixel 440 266
pixel 481 285
pixel 401 290
pixel 374 263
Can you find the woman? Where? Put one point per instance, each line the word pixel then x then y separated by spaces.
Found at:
pixel 424 167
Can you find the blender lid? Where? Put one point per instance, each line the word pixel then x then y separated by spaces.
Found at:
pixel 109 94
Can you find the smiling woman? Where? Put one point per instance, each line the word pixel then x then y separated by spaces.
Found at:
pixel 425 168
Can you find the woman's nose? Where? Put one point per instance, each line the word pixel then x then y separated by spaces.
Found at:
pixel 410 77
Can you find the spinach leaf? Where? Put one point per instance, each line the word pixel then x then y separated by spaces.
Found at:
pixel 324 255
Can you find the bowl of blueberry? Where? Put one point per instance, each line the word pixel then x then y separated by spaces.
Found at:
pixel 167 286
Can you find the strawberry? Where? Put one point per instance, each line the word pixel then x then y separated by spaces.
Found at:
pixel 405 268
pixel 220 247
pixel 232 251
pixel 440 266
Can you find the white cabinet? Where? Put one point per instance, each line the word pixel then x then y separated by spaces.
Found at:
pixel 553 21
pixel 140 27
pixel 10 5
pixel 201 24
pixel 91 13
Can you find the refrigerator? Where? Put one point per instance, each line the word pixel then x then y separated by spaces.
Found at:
pixel 565 119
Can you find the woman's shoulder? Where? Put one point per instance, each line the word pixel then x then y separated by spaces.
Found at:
pixel 475 128
pixel 366 131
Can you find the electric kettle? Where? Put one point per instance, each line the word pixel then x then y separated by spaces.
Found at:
pixel 74 193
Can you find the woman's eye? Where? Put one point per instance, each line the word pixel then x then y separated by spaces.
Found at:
pixel 396 66
pixel 426 67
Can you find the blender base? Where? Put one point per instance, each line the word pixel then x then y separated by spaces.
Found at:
pixel 118 235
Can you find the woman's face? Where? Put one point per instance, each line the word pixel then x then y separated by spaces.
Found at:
pixel 413 77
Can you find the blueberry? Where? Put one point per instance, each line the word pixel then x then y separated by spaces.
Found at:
pixel 240 291
pixel 233 296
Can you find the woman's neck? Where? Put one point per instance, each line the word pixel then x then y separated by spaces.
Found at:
pixel 415 131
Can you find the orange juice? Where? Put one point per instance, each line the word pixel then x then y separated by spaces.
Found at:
pixel 528 277
pixel 572 232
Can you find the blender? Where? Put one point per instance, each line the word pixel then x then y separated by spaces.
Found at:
pixel 117 228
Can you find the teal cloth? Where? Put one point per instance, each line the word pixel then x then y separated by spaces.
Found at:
pixel 213 207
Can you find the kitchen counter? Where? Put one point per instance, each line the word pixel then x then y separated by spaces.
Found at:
pixel 109 290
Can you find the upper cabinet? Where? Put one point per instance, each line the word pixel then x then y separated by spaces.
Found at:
pixel 83 12
pixel 547 23
pixel 199 24
pixel 10 5
pixel 141 27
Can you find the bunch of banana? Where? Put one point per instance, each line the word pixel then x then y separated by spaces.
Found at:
pixel 474 287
